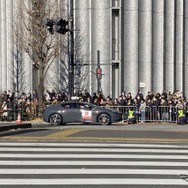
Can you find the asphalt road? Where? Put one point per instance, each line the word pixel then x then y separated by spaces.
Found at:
pixel 94 156
pixel 163 133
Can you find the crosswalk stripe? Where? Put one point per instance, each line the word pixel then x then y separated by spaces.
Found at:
pixel 93 163
pixel 112 150
pixel 93 181
pixel 93 171
pixel 91 145
pixel 91 156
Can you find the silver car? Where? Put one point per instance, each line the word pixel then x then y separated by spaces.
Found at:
pixel 73 111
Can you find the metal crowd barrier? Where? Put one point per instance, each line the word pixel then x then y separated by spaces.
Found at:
pixel 161 114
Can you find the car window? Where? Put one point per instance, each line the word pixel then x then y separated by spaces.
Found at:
pixel 81 106
pixel 67 105
pixel 84 106
pixel 87 107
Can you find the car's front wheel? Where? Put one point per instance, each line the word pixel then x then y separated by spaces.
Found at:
pixel 55 119
pixel 104 119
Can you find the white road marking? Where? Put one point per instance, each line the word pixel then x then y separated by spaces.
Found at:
pixel 46 158
pixel 92 163
pixel 111 150
pixel 94 171
pixel 96 156
pixel 93 181
pixel 21 144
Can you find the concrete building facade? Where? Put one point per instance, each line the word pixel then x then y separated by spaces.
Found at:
pixel 143 44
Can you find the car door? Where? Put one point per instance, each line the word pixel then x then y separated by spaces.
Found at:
pixel 86 114
pixel 76 112
pixel 69 112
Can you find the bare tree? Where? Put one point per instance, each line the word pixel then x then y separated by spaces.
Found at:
pixel 34 39
pixel 81 65
pixel 81 69
pixel 18 72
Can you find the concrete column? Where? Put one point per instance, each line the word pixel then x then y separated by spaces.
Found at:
pixel 3 46
pixel 169 45
pixel 116 47
pixel 89 41
pixel 10 46
pixel 145 45
pixel 0 53
pixel 179 40
pixel 158 45
pixel 28 77
pixel 82 39
pixel 130 46
pixel 100 40
pixel 185 80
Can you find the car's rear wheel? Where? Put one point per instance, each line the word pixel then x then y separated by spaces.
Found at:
pixel 104 119
pixel 56 119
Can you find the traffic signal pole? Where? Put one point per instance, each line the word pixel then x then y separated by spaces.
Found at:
pixel 61 27
pixel 98 67
pixel 71 47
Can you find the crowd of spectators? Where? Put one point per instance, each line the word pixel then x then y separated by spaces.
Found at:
pixel 13 102
pixel 175 99
pixel 150 104
pixel 152 107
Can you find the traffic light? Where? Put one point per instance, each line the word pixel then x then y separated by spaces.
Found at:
pixel 61 26
pixel 50 25
pixel 115 65
pixel 98 73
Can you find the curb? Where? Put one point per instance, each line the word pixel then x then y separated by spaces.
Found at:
pixel 15 126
